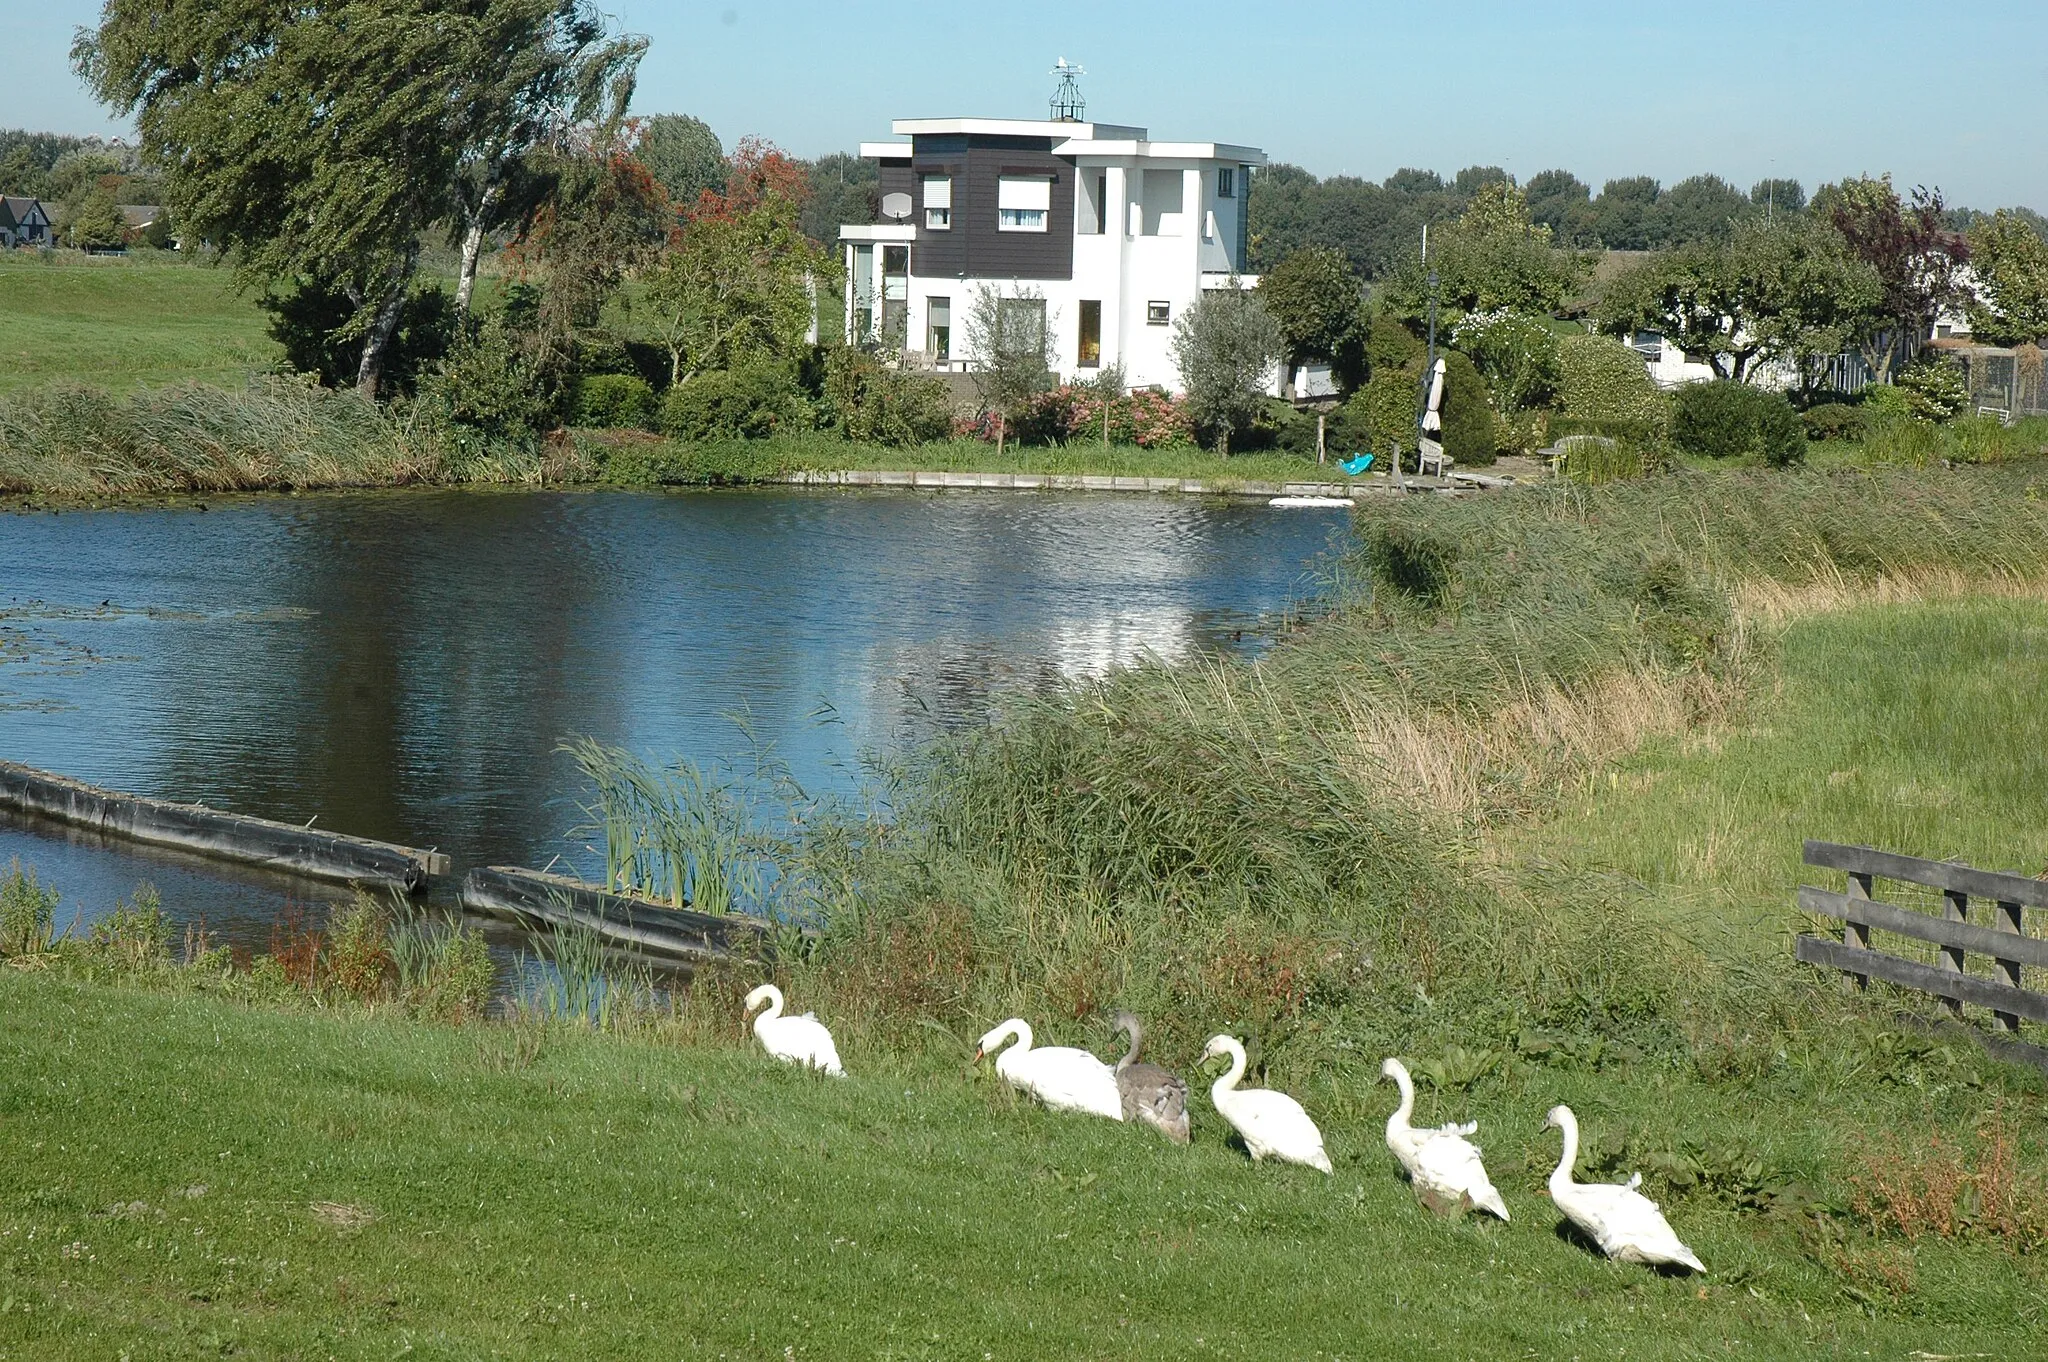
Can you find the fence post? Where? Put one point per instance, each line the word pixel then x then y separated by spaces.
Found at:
pixel 2007 919
pixel 1955 908
pixel 1857 934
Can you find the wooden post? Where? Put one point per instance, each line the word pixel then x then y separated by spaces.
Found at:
pixel 1955 908
pixel 1857 934
pixel 1320 448
pixel 2007 919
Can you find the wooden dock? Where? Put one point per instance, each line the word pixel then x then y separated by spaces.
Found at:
pixel 535 899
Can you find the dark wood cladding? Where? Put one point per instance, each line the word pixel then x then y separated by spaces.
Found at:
pixel 974 248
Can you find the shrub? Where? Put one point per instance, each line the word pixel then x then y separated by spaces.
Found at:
pixel 1467 411
pixel 1601 378
pixel 1834 421
pixel 136 935
pixel 1147 418
pixel 748 403
pixel 357 948
pixel 28 912
pixel 864 399
pixel 614 401
pixel 1516 354
pixel 1935 389
pixel 1380 416
pixel 315 323
pixel 487 388
pixel 1729 420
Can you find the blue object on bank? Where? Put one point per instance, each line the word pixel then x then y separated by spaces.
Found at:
pixel 1355 465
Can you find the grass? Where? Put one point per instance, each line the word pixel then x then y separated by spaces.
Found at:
pixel 126 323
pixel 268 1184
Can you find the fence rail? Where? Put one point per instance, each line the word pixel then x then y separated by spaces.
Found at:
pixel 2006 942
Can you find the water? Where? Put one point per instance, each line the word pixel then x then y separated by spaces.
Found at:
pixel 402 665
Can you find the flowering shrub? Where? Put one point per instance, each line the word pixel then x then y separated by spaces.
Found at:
pixel 1147 418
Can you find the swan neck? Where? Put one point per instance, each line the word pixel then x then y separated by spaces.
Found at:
pixel 1403 1113
pixel 1227 1080
pixel 1131 1057
pixel 774 1009
pixel 1570 1156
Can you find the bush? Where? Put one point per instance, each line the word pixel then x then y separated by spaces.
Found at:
pixel 313 322
pixel 488 389
pixel 747 403
pixel 1147 418
pixel 1467 411
pixel 1380 416
pixel 1600 378
pixel 1729 420
pixel 1935 389
pixel 1834 421
pixel 866 400
pixel 614 401
pixel 1516 354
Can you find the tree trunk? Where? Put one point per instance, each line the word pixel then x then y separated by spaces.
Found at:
pixel 472 251
pixel 377 345
pixel 1002 429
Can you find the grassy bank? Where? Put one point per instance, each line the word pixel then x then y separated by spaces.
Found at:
pixel 276 1185
pixel 122 324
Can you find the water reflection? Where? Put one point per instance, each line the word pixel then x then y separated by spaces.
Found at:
pixel 402 665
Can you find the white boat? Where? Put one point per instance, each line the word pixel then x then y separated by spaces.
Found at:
pixel 1311 501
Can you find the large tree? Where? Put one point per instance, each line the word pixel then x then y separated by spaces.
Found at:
pixel 2009 258
pixel 1918 260
pixel 1492 257
pixel 319 141
pixel 684 155
pixel 1319 304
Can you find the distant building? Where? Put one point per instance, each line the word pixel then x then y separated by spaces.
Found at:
pixel 24 222
pixel 1119 233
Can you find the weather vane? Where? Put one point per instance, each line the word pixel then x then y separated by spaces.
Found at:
pixel 1067 103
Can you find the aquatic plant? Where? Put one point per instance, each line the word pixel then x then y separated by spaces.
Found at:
pixel 671 833
pixel 27 912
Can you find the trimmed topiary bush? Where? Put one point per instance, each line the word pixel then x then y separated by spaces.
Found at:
pixel 748 403
pixel 1834 421
pixel 614 401
pixel 1729 420
pixel 1469 429
pixel 1601 379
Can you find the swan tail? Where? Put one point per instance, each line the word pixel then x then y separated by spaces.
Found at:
pixel 1488 1199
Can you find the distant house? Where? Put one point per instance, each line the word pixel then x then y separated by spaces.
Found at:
pixel 24 222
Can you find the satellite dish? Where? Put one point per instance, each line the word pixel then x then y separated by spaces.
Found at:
pixel 896 207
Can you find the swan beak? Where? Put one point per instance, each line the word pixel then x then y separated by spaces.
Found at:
pixel 978 1053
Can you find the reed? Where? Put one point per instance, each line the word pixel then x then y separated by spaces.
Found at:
pixel 674 833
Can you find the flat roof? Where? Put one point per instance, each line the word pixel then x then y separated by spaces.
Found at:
pixel 1173 151
pixel 1012 127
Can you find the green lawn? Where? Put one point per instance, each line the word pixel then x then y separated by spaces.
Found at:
pixel 188 1177
pixel 1918 729
pixel 124 323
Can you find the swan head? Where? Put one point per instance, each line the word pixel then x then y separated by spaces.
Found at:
pixel 1557 1117
pixel 1124 1021
pixel 761 996
pixel 994 1039
pixel 1217 1047
pixel 1394 1069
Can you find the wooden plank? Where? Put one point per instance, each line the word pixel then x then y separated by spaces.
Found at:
pixel 283 847
pixel 1955 907
pixel 534 898
pixel 1959 936
pixel 1858 933
pixel 1819 950
pixel 1983 884
pixel 2008 920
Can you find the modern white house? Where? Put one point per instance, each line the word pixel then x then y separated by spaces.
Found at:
pixel 1117 233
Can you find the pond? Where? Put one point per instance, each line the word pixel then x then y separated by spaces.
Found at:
pixel 403 665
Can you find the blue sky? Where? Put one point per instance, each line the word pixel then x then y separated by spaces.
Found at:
pixel 1813 89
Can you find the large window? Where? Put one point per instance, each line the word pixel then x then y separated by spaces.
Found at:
pixel 938 328
pixel 1023 203
pixel 1090 356
pixel 938 203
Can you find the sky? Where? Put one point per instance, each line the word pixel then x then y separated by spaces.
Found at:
pixel 1814 90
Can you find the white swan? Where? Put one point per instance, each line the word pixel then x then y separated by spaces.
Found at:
pixel 795 1040
pixel 1272 1123
pixel 1063 1078
pixel 1622 1221
pixel 1443 1166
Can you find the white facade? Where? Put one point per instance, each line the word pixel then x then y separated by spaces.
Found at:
pixel 1151 225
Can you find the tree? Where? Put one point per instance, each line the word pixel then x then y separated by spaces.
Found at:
pixel 1516 354
pixel 1009 350
pixel 1703 208
pixel 321 141
pixel 95 224
pixel 684 156
pixel 1225 347
pixel 1778 289
pixel 841 189
pixel 2009 257
pixel 1917 258
pixel 1492 257
pixel 1319 305
pixel 1778 196
pixel 1562 202
pixel 1627 216
pixel 737 286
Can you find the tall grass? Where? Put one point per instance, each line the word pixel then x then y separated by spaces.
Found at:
pixel 673 834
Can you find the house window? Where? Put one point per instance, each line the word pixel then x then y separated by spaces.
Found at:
pixel 938 328
pixel 938 203
pixel 1022 203
pixel 1158 313
pixel 1226 183
pixel 1090 355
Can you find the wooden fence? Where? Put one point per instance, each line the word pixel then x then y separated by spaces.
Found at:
pixel 2002 897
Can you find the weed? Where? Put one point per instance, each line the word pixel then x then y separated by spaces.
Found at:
pixel 297 949
pixel 358 955
pixel 1955 1189
pixel 27 912
pixel 136 936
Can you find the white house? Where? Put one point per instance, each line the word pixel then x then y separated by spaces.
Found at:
pixel 1118 233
